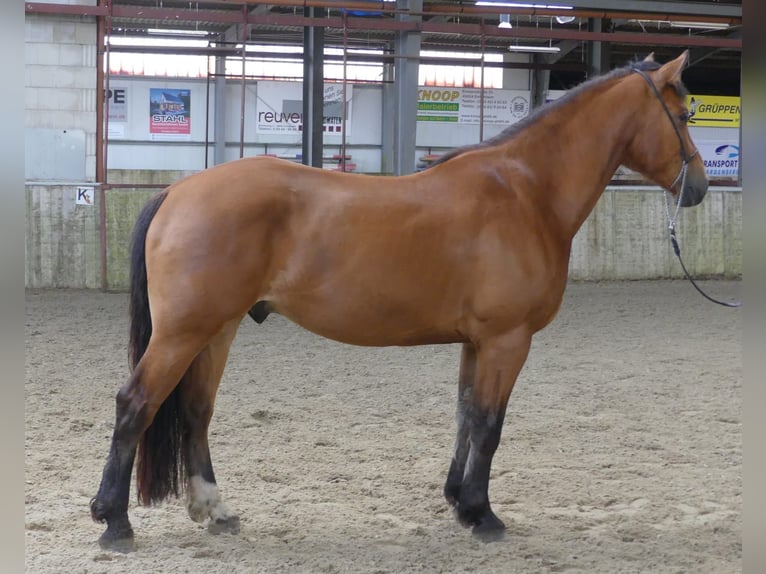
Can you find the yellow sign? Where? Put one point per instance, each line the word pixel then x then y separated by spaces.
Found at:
pixel 716 111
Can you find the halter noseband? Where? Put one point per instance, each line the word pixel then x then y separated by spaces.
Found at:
pixel 686 158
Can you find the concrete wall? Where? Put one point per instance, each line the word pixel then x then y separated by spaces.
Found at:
pixel 62 239
pixel 60 86
pixel 624 238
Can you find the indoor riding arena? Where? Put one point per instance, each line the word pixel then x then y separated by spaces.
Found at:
pixel 382 217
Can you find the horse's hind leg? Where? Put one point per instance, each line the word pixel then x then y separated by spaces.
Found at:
pixel 163 364
pixel 465 389
pixel 198 392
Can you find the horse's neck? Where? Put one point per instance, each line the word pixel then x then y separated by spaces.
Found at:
pixel 587 152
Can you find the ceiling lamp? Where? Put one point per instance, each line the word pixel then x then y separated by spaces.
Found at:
pixel 700 25
pixel 546 49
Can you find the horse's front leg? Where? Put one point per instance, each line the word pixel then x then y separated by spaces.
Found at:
pixel 462 415
pixel 499 362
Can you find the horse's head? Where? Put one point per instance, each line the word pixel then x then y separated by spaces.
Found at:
pixel 662 149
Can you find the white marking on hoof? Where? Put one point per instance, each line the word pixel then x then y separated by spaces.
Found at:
pixel 203 501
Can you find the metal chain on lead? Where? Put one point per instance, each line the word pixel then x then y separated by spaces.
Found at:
pixel 682 177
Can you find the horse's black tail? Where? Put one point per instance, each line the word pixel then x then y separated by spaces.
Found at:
pixel 160 449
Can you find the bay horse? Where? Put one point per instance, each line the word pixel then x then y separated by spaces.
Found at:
pixel 473 250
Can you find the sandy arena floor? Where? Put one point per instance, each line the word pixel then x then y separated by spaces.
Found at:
pixel 621 452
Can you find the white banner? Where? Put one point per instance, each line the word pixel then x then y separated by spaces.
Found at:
pixel 279 108
pixel 463 105
pixel 118 102
pixel 118 110
pixel 721 158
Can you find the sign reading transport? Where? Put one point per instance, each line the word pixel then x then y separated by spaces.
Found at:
pixel 721 158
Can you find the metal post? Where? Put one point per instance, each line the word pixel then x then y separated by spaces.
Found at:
pixel 313 90
pixel 104 27
pixel 388 113
pixel 406 88
pixel 207 111
pixel 219 133
pixel 540 81
pixel 243 93
pixel 481 88
pixel 343 96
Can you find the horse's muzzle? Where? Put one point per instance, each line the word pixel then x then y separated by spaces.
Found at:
pixel 695 188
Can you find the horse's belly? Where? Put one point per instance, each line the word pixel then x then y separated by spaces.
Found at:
pixel 365 321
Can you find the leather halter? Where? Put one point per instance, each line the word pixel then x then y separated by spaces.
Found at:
pixel 686 158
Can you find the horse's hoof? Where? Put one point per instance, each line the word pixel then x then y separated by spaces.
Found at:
pixel 124 542
pixel 228 525
pixel 486 526
pixel 489 530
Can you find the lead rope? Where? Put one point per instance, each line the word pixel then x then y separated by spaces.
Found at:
pixel 685 159
pixel 677 250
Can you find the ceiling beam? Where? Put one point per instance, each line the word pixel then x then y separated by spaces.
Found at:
pixel 660 7
pixel 178 15
pixel 696 55
pixel 564 48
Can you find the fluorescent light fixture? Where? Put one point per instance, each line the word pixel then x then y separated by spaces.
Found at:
pixel 505 21
pixel 546 49
pixel 700 25
pixel 523 5
pixel 176 32
pixel 565 19
pixel 145 41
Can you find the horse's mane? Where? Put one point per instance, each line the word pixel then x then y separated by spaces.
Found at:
pixel 542 111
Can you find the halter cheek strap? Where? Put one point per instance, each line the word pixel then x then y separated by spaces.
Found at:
pixel 686 158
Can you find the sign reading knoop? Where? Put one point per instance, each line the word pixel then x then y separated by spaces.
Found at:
pixel 464 105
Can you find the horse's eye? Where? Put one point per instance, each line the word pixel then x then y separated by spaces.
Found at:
pixel 684 117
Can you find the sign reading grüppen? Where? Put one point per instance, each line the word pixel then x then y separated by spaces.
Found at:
pixel 713 111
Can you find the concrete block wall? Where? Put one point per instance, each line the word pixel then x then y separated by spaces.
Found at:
pixel 626 237
pixel 62 239
pixel 122 209
pixel 60 78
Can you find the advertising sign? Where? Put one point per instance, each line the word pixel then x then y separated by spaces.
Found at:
pixel 118 111
pixel 463 105
pixel 279 108
pixel 713 111
pixel 721 158
pixel 118 103
pixel 169 114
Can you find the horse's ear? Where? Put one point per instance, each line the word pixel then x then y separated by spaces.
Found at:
pixel 650 57
pixel 670 73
